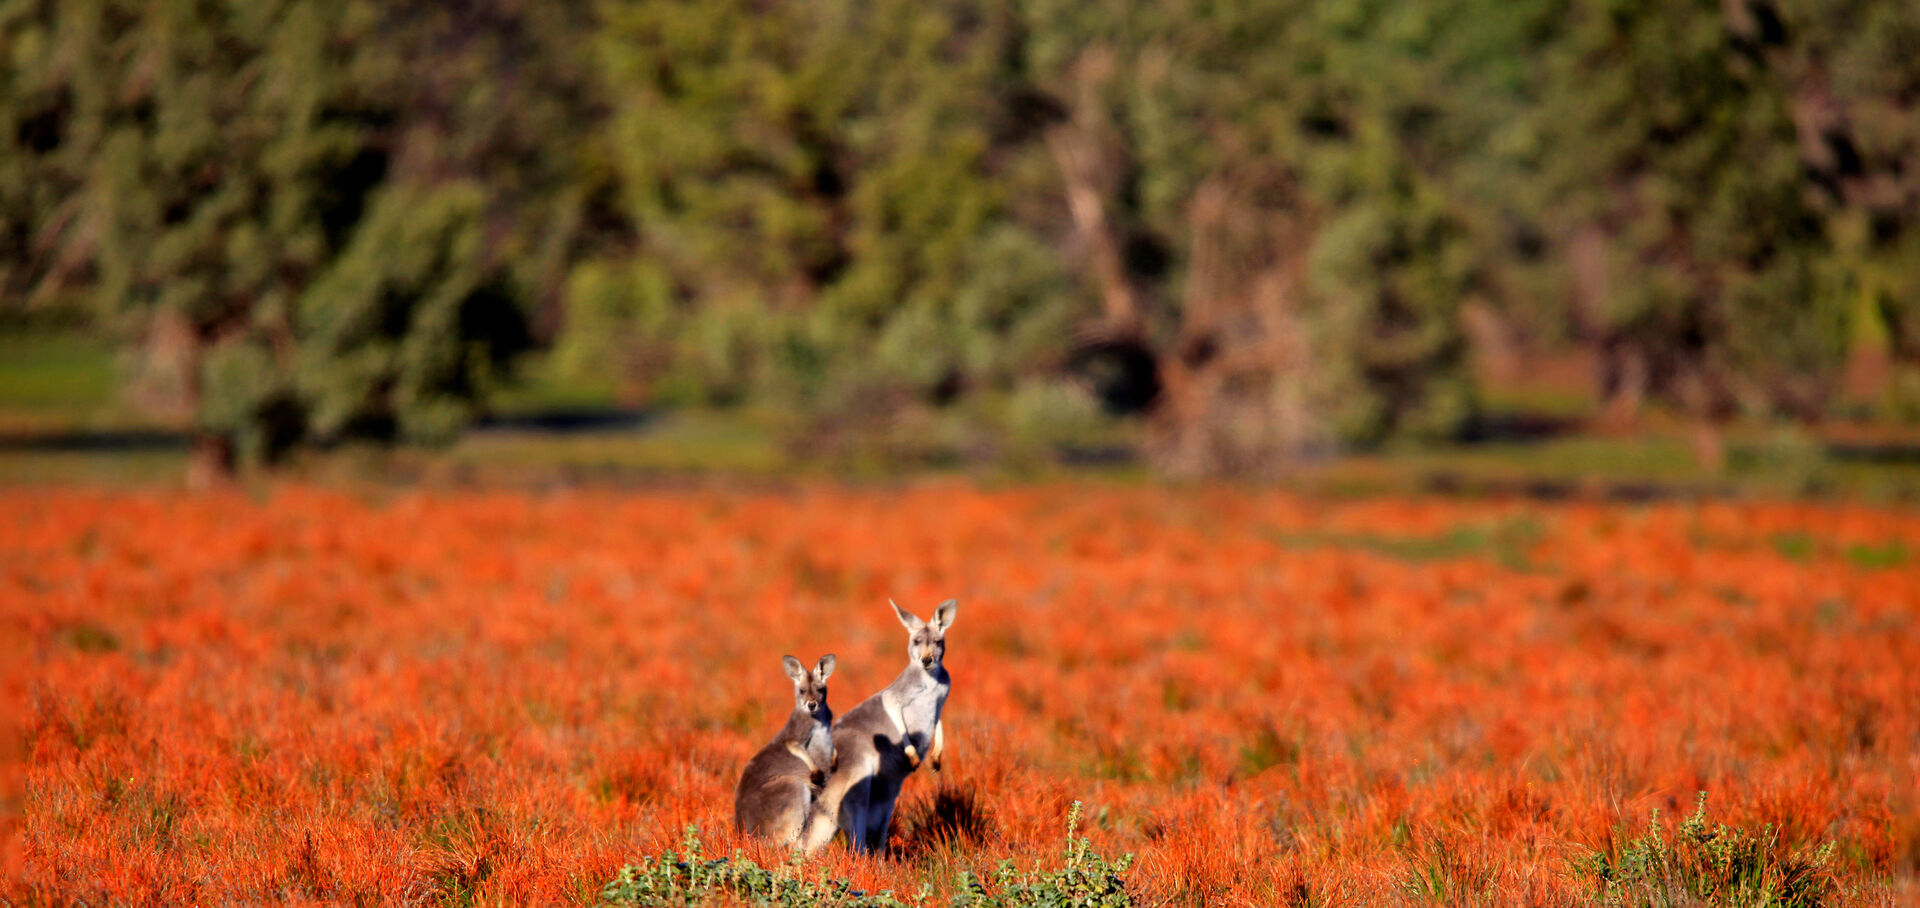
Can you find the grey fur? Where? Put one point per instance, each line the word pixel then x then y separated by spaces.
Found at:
pixel 880 742
pixel 778 788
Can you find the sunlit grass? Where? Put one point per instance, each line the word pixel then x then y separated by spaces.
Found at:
pixel 496 696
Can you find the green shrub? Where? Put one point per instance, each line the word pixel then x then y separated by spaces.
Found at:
pixel 1087 879
pixel 1720 865
pixel 686 877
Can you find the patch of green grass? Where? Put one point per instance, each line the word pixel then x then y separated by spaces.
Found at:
pixel 55 381
pixel 1267 748
pixel 1794 546
pixel 1649 458
pixel 540 387
pixel 1085 879
pixel 692 442
pixel 1760 462
pixel 1440 877
pixel 57 372
pixel 1889 555
pixel 1718 865
pixel 150 467
pixel 1540 400
pixel 741 442
pixel 89 638
pixel 687 878
pixel 61 407
pixel 1801 547
pixel 1507 542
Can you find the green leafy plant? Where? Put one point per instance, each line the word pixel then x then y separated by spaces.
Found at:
pixel 686 877
pixel 1703 864
pixel 1087 879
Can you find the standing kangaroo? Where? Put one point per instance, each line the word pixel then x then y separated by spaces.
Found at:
pixel 881 741
pixel 777 790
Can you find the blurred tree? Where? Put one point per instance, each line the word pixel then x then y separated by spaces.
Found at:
pixel 815 198
pixel 1852 70
pixel 1714 201
pixel 1258 224
pixel 284 203
pixel 1696 254
pixel 1271 199
pixel 854 205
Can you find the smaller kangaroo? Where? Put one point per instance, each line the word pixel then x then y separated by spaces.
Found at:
pixel 778 788
pixel 881 741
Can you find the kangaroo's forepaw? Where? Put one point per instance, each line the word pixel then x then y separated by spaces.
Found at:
pixel 935 763
pixel 913 757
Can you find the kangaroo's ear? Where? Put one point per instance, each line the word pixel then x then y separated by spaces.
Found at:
pixel 795 670
pixel 913 623
pixel 943 616
pixel 825 668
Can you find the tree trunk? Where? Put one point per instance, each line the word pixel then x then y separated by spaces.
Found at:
pixel 1076 153
pixel 1709 447
pixel 1234 402
pixel 165 377
pixel 210 454
pixel 1706 402
pixel 1225 396
pixel 1623 386
pixel 1115 349
pixel 209 460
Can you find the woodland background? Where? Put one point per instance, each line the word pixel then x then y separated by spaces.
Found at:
pixel 1207 238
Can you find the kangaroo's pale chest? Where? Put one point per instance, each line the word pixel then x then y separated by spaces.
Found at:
pixel 820 740
pixel 920 711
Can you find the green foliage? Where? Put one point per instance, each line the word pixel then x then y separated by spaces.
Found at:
pixel 1867 66
pixel 1795 546
pixel 55 372
pixel 1707 221
pixel 1892 554
pixel 888 217
pixel 861 232
pixel 408 324
pixel 1303 154
pixel 1085 880
pixel 686 877
pixel 1719 865
pixel 270 194
pixel 1443 877
pixel 813 212
pixel 1054 414
pixel 1507 542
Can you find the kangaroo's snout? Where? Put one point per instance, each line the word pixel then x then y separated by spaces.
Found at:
pixel 926 661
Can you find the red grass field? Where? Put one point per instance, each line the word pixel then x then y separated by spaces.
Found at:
pixel 505 697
